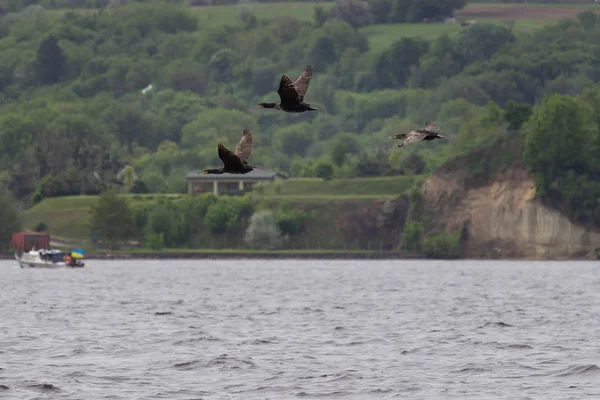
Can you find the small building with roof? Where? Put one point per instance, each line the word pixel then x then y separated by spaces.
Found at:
pixel 198 182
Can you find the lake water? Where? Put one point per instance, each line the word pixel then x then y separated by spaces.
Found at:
pixel 283 329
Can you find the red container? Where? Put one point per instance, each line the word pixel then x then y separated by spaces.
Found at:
pixel 25 241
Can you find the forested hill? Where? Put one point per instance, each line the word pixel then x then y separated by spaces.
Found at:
pixel 158 85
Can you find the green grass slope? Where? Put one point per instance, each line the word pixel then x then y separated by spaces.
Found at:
pixel 339 188
pixel 68 217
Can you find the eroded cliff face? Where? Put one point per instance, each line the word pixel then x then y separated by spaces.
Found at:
pixel 503 219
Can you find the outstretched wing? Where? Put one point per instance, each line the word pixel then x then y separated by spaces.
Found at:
pixel 303 81
pixel 244 148
pixel 431 126
pixel 415 136
pixel 287 90
pixel 229 159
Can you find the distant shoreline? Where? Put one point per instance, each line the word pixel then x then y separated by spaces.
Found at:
pixel 199 255
pixel 256 255
pixel 282 255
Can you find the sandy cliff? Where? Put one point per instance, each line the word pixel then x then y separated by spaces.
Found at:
pixel 503 218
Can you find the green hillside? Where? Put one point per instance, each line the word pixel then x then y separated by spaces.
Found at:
pixel 134 97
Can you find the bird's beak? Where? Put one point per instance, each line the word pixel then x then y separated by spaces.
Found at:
pixel 260 106
pixel 205 172
pixel 392 137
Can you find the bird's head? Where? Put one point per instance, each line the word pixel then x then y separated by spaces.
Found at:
pixel 398 136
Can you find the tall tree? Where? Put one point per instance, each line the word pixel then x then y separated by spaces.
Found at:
pixel 10 220
pixel 50 61
pixel 112 218
pixel 562 138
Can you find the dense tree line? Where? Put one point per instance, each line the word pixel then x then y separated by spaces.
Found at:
pixel 137 96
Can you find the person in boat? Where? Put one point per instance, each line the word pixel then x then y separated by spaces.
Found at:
pixel 68 259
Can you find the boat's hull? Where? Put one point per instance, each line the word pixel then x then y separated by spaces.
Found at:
pixel 37 264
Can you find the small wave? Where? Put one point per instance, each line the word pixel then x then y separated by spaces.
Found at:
pixel 326 377
pixel 259 341
pixel 311 310
pixel 77 374
pixel 499 323
pixel 361 342
pixel 580 370
pixel 338 328
pixel 376 391
pixel 188 365
pixel 225 361
pixel 45 387
pixel 472 369
pixel 163 313
pixel 4 387
pixel 515 346
pixel 196 339
pixel 335 393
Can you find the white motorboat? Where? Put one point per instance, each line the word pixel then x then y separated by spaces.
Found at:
pixel 49 259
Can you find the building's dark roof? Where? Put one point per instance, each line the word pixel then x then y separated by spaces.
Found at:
pixel 256 175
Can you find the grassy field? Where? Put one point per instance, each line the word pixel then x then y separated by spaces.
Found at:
pixel 383 36
pixel 339 188
pixel 229 15
pixel 86 202
pixel 527 17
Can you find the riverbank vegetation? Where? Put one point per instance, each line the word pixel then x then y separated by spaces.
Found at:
pixel 131 98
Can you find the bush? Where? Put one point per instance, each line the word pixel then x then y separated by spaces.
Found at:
pixel 263 232
pixel 139 187
pixel 156 241
pixel 41 227
pixel 323 169
pixel 37 197
pixel 163 219
pixel 412 236
pixel 226 214
pixel 290 221
pixel 442 246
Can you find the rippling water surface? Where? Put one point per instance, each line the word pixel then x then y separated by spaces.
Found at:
pixel 279 329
